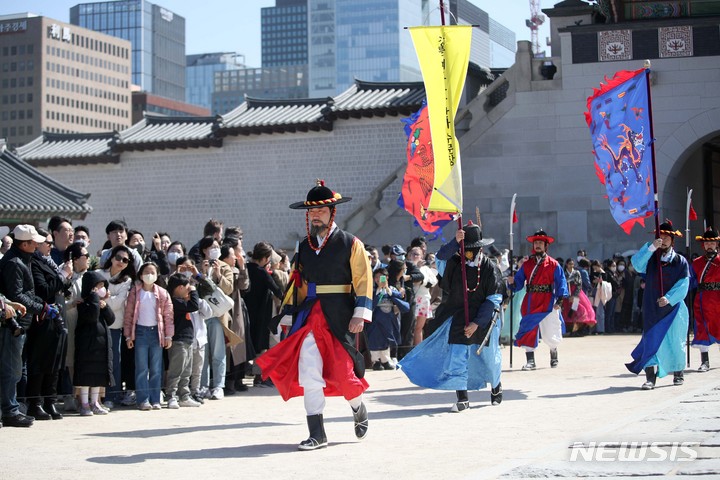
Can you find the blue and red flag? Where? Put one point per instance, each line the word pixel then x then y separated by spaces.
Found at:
pixel 420 174
pixel 618 114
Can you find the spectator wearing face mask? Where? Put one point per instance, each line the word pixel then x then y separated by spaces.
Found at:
pixel 82 235
pixel 93 360
pixel 119 271
pixel 221 275
pixel 136 240
pixel 148 327
pixel 213 228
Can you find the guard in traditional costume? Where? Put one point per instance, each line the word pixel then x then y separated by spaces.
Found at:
pixel 665 317
pixel 705 278
pixel 460 356
pixel 330 297
pixel 546 287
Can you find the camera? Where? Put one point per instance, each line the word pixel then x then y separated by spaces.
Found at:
pixel 14 326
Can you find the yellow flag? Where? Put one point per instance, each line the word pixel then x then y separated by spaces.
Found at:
pixel 443 53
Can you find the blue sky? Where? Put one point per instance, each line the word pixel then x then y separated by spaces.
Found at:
pixel 234 25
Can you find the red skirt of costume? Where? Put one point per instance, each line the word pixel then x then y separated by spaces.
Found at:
pixel 584 313
pixel 280 363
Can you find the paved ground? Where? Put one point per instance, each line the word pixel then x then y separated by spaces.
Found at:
pixel 590 397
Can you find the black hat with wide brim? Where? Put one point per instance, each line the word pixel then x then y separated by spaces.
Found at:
pixel 320 196
pixel 474 237
pixel 667 228
pixel 710 235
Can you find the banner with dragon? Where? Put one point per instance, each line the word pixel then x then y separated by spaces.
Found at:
pixel 618 115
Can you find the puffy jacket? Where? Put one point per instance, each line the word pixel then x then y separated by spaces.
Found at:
pixel 163 313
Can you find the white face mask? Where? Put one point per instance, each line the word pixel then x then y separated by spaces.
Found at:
pixel 187 273
pixel 102 292
pixel 149 278
pixel 173 257
pixel 621 268
pixel 214 253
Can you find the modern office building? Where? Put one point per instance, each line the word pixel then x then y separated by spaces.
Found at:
pixel 231 86
pixel 157 36
pixel 367 40
pixel 200 75
pixel 58 77
pixel 284 33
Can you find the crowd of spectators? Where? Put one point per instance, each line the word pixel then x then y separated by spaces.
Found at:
pixel 138 323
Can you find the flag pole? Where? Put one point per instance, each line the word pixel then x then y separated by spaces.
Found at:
pixel 688 298
pixel 654 172
pixel 460 221
pixel 512 272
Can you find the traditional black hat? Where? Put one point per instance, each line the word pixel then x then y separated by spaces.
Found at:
pixel 667 228
pixel 542 236
pixel 474 237
pixel 710 235
pixel 320 196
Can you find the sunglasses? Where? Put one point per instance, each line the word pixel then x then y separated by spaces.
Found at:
pixel 122 259
pixel 86 255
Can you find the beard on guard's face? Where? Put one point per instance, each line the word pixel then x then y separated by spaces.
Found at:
pixel 317 227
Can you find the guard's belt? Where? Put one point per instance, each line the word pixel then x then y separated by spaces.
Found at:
pixel 546 288
pixel 326 289
pixel 709 286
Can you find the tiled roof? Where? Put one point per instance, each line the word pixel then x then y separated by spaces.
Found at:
pixel 27 194
pixel 254 116
pixel 366 99
pixel 269 116
pixel 63 148
pixel 156 131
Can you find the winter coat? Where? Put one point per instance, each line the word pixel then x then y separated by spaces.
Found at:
pixel 93 347
pixel 46 340
pixel 16 283
pixel 163 313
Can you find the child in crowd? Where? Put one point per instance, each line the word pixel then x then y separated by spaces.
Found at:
pixel 93 356
pixel 187 269
pixel 185 301
pixel 148 328
pixel 384 330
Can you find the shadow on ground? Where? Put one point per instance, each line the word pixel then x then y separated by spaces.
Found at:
pixel 162 432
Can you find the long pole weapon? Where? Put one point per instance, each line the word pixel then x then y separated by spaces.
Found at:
pixel 512 273
pixel 688 298
pixel 654 173
pixel 459 220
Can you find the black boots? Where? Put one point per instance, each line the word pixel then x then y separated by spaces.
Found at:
pixel 496 395
pixel 462 401
pixel 530 365
pixel 317 438
pixel 49 407
pixel 553 358
pixel 678 378
pixel 705 359
pixel 36 411
pixel 650 377
pixel 361 421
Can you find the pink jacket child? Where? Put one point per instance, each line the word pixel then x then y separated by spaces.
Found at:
pixel 164 313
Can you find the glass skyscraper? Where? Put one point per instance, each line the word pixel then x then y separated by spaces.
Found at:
pixel 284 33
pixel 157 36
pixel 200 75
pixel 367 40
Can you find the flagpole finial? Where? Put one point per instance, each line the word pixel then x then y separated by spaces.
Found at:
pixel 647 64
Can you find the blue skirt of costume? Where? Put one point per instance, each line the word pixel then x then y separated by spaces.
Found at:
pixel 440 365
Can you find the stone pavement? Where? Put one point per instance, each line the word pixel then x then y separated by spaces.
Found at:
pixel 590 397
